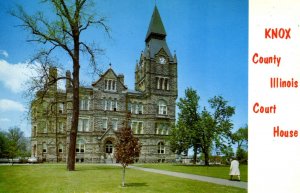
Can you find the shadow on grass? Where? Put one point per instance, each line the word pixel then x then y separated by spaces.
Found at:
pixel 135 184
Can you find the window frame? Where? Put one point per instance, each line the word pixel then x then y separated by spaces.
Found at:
pixel 161 148
pixel 162 107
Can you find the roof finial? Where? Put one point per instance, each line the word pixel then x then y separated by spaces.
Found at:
pixel 110 65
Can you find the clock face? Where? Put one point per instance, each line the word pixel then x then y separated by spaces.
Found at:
pixel 162 60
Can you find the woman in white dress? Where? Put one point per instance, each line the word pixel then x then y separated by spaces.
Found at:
pixel 234 169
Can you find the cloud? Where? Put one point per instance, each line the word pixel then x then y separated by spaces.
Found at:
pixel 4 53
pixel 13 76
pixel 10 105
pixel 4 120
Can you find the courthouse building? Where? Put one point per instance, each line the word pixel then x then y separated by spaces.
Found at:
pixel 105 104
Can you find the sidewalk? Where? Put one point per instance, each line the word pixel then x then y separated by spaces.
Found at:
pixel 220 181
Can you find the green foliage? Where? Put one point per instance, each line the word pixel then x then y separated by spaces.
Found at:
pixel 16 145
pixel 3 144
pixel 97 179
pixel 228 153
pixel 241 137
pixel 179 139
pixel 13 144
pixel 242 155
pixel 202 130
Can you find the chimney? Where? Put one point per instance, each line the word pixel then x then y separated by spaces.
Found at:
pixel 68 78
pixel 52 78
pixel 121 78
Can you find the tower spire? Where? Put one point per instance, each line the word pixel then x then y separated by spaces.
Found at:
pixel 156 28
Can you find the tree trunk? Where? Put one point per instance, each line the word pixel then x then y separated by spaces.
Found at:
pixel 195 155
pixel 75 113
pixel 206 158
pixel 123 178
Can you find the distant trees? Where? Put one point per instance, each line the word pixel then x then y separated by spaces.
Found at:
pixel 13 144
pixel 127 149
pixel 201 130
pixel 240 137
pixel 3 144
pixel 63 31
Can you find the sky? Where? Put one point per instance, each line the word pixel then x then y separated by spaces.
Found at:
pixel 210 39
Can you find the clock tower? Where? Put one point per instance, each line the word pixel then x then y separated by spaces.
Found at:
pixel 156 70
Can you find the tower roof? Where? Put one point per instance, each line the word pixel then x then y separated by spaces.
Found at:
pixel 156 27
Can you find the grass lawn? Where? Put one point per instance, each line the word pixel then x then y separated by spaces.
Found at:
pixel 97 178
pixel 211 171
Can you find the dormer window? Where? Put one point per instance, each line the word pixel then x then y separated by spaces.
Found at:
pixel 110 85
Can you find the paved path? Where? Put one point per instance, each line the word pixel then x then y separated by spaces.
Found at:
pixel 243 185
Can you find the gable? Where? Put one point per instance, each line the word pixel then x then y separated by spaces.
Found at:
pixel 109 75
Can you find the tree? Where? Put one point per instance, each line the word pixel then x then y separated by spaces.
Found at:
pixel 241 137
pixel 215 127
pixel 187 133
pixel 16 142
pixel 179 139
pixel 203 129
pixel 70 20
pixel 3 144
pixel 127 148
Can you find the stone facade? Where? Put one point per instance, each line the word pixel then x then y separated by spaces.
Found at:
pixel 104 106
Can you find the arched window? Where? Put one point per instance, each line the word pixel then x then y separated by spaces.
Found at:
pixel 80 146
pixel 108 147
pixel 161 148
pixel 162 107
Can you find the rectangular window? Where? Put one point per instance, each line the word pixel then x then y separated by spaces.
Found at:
pixel 84 104
pixel 104 123
pixel 140 108
pixel 110 85
pixel 137 127
pixel 60 107
pixel 105 104
pixel 61 127
pixel 132 108
pixel 167 84
pixel 80 148
pixel 115 124
pixel 44 148
pixel 114 105
pixel 45 125
pixel 83 124
pixel 106 85
pixel 60 148
pixel 140 128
